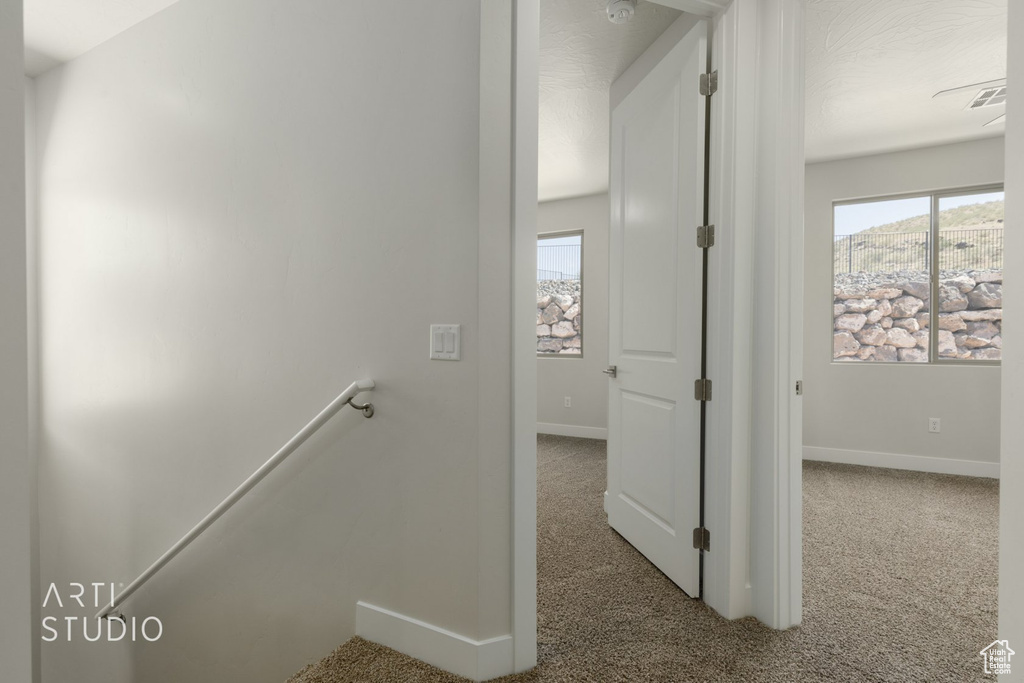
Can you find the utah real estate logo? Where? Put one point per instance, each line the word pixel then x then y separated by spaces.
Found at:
pixel 997 657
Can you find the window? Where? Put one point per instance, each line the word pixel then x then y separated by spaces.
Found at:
pixel 560 295
pixel 892 257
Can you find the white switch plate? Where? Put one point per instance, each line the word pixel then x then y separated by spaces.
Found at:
pixel 445 342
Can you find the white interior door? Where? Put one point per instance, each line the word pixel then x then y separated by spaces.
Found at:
pixel 657 185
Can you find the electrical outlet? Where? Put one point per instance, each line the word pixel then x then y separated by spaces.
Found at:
pixel 568 401
pixel 934 425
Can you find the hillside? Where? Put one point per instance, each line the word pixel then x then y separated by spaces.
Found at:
pixel 971 217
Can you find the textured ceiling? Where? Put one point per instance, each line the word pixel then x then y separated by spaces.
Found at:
pixel 581 53
pixel 57 31
pixel 872 68
pixel 874 65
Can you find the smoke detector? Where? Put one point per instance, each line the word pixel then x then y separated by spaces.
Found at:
pixel 621 11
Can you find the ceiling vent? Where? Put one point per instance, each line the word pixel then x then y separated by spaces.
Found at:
pixel 987 97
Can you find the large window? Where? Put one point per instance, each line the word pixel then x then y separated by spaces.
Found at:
pixel 893 257
pixel 560 294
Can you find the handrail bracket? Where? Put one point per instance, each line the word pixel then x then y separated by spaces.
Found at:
pixel 366 408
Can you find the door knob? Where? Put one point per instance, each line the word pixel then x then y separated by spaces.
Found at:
pixel 612 371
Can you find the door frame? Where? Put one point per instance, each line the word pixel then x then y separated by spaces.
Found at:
pixel 754 451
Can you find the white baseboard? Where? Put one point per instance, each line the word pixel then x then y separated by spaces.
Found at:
pixel 472 659
pixel 897 461
pixel 572 430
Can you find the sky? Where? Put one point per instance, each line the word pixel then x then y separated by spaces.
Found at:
pixel 851 218
pixel 559 260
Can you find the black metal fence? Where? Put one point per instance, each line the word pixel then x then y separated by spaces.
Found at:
pixel 888 252
pixel 558 262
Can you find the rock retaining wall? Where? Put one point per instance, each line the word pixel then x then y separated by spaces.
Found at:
pixel 885 316
pixel 559 317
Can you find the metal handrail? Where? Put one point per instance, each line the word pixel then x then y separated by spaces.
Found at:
pixel 326 414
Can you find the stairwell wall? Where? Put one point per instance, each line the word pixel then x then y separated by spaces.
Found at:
pixel 15 462
pixel 244 206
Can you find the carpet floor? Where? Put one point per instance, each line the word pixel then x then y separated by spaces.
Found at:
pixel 899 586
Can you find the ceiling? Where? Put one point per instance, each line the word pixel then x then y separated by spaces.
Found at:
pixel 57 31
pixel 874 65
pixel 872 68
pixel 581 53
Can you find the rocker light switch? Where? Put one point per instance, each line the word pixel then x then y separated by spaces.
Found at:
pixel 445 342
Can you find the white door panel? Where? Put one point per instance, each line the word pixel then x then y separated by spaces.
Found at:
pixel 657 181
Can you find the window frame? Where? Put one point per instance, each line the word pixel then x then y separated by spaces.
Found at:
pixel 583 318
pixel 933 196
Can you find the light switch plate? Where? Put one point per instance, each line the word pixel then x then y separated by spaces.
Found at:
pixel 445 342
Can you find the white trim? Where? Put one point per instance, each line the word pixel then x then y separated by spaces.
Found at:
pixel 769 76
pixel 525 89
pixel 900 461
pixel 572 430
pixel 477 660
pixel 727 580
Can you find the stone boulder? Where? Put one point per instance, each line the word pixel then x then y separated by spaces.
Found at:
pixel 954 322
pixel 906 306
pixel 551 315
pixel 995 276
pixel 947 344
pixel 951 299
pixel 900 338
pixel 851 322
pixel 872 336
pixel 886 354
pixel 564 301
pixel 843 344
pixel 990 314
pixel 908 324
pixel 543 330
pixel 884 293
pixel 549 345
pixel 986 295
pixel 563 330
pixel 920 289
pixel 962 282
pixel 913 355
pixel 860 305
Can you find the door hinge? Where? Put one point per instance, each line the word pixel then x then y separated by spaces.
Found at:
pixel 705 236
pixel 702 390
pixel 709 84
pixel 799 387
pixel 701 539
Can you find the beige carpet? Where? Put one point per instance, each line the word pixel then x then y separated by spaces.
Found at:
pixel 899 585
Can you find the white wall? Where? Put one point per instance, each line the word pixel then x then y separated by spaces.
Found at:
pixel 15 464
pixel 1011 519
pixel 579 378
pixel 246 205
pixel 856 410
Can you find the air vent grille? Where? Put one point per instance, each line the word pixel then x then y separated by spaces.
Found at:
pixel 988 97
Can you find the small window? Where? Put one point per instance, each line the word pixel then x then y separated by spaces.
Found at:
pixel 893 257
pixel 560 295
